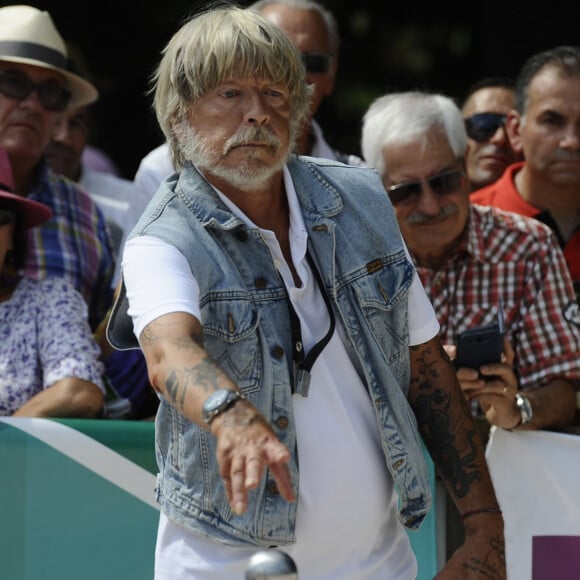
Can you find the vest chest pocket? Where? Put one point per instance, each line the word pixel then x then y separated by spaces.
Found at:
pixel 382 291
pixel 230 332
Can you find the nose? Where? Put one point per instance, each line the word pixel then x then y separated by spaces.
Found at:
pixel 429 202
pixel 256 110
pixel 32 100
pixel 500 136
pixel 571 138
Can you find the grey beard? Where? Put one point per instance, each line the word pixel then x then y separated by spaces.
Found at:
pixel 247 176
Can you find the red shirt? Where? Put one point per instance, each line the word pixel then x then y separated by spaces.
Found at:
pixel 503 194
pixel 504 255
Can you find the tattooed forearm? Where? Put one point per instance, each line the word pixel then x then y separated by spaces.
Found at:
pixel 443 417
pixel 203 375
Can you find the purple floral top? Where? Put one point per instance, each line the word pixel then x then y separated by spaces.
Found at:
pixel 44 337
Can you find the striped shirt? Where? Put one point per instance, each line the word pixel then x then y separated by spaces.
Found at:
pixel 518 260
pixel 74 244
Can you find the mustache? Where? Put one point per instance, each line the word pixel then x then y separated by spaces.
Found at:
pixel 247 135
pixel 420 218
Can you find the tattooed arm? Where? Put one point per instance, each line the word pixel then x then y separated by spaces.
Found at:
pixel 450 434
pixel 181 370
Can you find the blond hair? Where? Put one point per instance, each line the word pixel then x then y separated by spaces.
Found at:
pixel 218 45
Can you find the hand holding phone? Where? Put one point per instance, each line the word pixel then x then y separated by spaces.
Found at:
pixel 482 345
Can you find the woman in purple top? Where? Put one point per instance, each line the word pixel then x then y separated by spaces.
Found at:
pixel 49 361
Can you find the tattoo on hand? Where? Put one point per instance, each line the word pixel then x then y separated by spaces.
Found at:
pixel 492 566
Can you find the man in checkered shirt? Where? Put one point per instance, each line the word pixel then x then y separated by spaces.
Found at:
pixel 472 259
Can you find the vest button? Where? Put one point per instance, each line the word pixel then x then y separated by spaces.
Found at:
pixel 278 352
pixel 260 283
pixel 282 423
pixel 241 235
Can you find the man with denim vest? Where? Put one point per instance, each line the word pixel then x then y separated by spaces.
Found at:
pixel 284 327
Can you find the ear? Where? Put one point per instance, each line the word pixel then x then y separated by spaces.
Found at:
pixel 513 126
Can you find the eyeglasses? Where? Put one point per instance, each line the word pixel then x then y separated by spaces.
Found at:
pixel 316 62
pixel 481 127
pixel 444 183
pixel 7 216
pixel 53 96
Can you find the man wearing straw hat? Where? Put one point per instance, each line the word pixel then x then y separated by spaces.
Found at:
pixel 35 88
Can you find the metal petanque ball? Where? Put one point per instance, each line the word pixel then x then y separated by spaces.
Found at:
pixel 271 565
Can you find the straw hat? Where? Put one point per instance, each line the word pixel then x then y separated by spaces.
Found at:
pixel 28 36
pixel 31 213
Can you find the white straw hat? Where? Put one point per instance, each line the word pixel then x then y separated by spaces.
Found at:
pixel 28 36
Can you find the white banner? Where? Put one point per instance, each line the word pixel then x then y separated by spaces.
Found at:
pixel 536 475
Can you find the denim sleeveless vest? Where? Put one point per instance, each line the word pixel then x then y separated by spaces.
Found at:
pixel 355 240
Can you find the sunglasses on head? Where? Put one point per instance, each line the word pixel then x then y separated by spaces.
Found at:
pixel 316 62
pixel 443 183
pixel 52 95
pixel 482 126
pixel 7 216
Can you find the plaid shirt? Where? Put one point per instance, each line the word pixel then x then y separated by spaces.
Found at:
pixel 503 194
pixel 507 256
pixel 74 244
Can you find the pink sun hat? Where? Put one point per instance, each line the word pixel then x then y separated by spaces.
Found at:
pixel 30 213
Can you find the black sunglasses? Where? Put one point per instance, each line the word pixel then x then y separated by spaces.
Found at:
pixel 443 183
pixel 16 85
pixel 316 62
pixel 481 127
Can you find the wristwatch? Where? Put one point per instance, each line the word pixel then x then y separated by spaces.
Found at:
pixel 218 402
pixel 525 407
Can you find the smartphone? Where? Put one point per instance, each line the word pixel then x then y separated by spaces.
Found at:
pixel 482 345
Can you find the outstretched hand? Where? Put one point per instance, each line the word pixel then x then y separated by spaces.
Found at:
pixel 246 447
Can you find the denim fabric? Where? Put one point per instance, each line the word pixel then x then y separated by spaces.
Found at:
pixel 355 241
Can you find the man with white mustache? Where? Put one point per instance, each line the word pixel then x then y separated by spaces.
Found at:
pixel 473 259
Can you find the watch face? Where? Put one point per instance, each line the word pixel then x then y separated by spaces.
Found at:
pixel 216 400
pixel 219 401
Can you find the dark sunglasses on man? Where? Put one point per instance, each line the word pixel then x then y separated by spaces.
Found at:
pixel 52 95
pixel 444 183
pixel 481 127
pixel 316 62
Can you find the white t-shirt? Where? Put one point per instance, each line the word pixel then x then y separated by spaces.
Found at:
pixel 347 516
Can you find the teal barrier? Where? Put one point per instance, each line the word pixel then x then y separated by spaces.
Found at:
pixel 424 541
pixel 63 521
pixel 77 502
